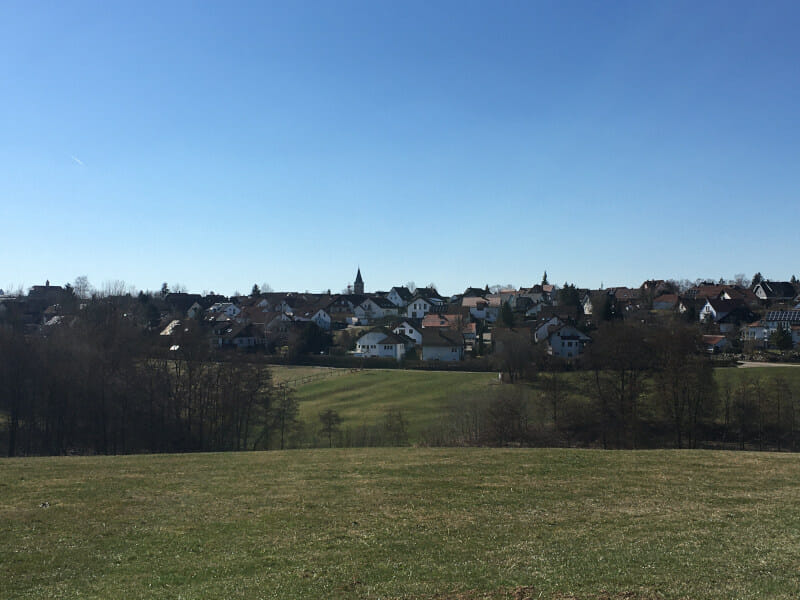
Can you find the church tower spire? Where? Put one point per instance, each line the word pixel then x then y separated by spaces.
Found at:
pixel 358 286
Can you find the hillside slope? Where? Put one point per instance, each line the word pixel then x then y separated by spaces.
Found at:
pixel 402 523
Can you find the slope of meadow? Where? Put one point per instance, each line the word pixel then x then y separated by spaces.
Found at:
pixel 425 397
pixel 363 397
pixel 402 523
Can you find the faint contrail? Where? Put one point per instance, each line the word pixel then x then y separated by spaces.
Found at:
pixel 77 160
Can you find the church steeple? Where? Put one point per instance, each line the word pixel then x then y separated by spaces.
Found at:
pixel 358 286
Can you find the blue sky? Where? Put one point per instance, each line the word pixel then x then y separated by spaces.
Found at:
pixel 219 145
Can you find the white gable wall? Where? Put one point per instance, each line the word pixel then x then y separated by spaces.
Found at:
pixel 418 308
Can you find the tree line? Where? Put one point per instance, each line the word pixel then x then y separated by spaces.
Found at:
pixel 638 387
pixel 102 385
pixel 97 387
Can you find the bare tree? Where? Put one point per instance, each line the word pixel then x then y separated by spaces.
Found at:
pixel 117 287
pixel 513 353
pixel 684 382
pixel 620 359
pixel 82 287
pixel 284 412
pixel 741 280
pixel 330 420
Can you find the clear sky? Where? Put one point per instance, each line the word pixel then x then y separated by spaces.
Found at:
pixel 221 144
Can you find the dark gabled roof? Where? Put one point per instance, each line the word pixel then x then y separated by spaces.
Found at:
pixel 625 293
pixel 247 331
pixel 415 323
pixel 730 311
pixel 389 337
pixel 567 332
pixel 438 336
pixel 534 289
pixel 738 315
pixel 566 313
pixel 306 312
pixel 417 296
pixel 354 299
pixel 671 299
pixel 45 289
pixel 382 302
pixel 471 291
pixel 725 306
pixel 778 289
pixel 403 292
pixel 181 300
pixel 252 314
pixel 430 293
pixel 394 338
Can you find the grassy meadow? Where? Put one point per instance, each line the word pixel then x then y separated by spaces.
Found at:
pixel 765 374
pixel 402 523
pixel 425 397
pixel 363 397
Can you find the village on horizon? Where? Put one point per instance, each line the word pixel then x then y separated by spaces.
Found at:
pixel 420 323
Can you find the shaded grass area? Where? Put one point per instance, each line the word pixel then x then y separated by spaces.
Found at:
pixel 283 374
pixel 362 398
pixel 402 523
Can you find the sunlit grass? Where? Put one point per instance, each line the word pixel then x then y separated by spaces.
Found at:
pixel 425 397
pixel 362 398
pixel 402 523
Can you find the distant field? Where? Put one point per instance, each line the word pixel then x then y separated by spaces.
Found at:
pixel 364 397
pixel 283 374
pixel 403 523
pixel 765 373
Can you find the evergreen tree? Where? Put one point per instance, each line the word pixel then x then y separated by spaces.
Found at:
pixel 781 339
pixel 330 421
pixel 507 315
pixel 568 295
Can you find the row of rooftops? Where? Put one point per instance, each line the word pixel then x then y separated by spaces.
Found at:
pixel 472 297
pixel 764 290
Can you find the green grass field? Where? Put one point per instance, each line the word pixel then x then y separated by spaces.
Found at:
pixel 765 374
pixel 402 523
pixel 284 374
pixel 363 397
pixel 424 397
